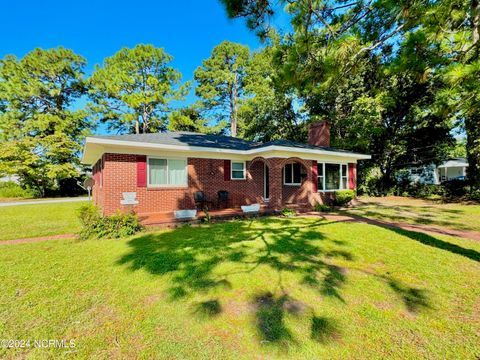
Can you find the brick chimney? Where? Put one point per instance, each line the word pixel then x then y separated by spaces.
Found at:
pixel 319 133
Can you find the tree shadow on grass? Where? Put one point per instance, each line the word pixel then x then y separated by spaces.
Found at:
pixel 437 243
pixel 208 309
pixel 201 260
pixel 415 299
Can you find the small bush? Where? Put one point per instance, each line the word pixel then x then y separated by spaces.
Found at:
pixel 96 226
pixel 10 189
pixel 288 212
pixel 455 188
pixel 322 208
pixel 474 195
pixel 343 197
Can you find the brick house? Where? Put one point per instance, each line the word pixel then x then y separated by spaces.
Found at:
pixel 166 169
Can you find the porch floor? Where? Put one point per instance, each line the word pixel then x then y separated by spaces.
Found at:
pixel 168 218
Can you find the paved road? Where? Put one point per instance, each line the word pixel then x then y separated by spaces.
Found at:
pixel 34 202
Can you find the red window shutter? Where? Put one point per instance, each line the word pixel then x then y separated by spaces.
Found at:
pixel 314 176
pixel 226 170
pixel 141 171
pixel 352 176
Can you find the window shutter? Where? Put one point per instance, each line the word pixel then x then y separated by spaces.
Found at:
pixel 141 171
pixel 352 172
pixel 226 170
pixel 314 177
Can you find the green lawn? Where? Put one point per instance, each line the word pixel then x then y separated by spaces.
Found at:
pixel 416 211
pixel 25 221
pixel 300 288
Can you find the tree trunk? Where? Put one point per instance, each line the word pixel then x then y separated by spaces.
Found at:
pixel 475 9
pixel 472 121
pixel 233 108
pixel 472 128
pixel 137 127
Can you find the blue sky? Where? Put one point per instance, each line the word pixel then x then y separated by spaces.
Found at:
pixel 187 29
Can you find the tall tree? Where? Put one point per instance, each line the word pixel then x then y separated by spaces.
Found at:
pixel 134 88
pixel 220 82
pixel 190 119
pixel 40 134
pixel 268 111
pixel 331 39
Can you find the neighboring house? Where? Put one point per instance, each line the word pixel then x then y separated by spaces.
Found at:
pixel 448 170
pixel 166 169
pixel 10 178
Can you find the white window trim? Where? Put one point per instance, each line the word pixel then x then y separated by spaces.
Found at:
pixel 341 176
pixel 244 170
pixel 160 186
pixel 284 176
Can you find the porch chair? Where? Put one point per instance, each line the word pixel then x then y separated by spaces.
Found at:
pixel 201 200
pixel 223 198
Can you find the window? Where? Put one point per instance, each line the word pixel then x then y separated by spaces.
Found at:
pixel 167 172
pixel 344 176
pixel 320 178
pixel 331 177
pixel 292 174
pixel 238 170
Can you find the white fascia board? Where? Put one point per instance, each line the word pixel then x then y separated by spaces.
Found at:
pixel 258 151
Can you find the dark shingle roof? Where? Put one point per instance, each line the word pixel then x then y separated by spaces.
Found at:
pixel 211 141
pixel 186 139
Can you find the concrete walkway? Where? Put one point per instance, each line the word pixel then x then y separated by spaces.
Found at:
pixel 37 239
pixel 49 201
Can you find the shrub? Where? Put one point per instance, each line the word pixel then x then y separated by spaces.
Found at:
pixel 96 226
pixel 322 208
pixel 343 197
pixel 288 212
pixel 10 189
pixel 455 188
pixel 474 195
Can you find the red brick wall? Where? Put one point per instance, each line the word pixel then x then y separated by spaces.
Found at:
pixel 319 133
pixel 203 174
pixel 120 175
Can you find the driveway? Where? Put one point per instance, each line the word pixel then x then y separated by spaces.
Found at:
pixel 51 201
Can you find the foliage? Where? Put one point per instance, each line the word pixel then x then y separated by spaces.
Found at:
pixel 133 89
pixel 10 189
pixel 343 197
pixel 455 188
pixel 323 207
pixel 459 150
pixel 97 226
pixel 40 134
pixel 287 212
pixel 190 119
pixel 220 81
pixel 268 112
pixel 394 78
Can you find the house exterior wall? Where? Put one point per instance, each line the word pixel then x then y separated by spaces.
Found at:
pixel 116 173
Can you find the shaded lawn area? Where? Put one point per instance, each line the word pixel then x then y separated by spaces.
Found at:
pixel 269 288
pixel 416 211
pixel 24 221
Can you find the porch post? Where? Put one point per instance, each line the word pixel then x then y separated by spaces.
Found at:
pixel 275 181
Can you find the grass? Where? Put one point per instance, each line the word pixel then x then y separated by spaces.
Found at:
pixel 416 211
pixel 300 288
pixel 24 221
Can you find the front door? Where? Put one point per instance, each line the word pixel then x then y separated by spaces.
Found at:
pixel 266 185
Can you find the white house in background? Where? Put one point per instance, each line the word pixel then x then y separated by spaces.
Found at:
pixel 448 170
pixel 10 178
